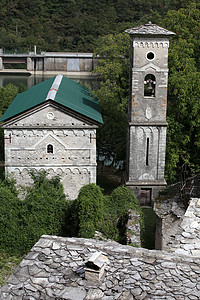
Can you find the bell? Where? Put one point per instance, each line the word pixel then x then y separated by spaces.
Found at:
pixel 150 87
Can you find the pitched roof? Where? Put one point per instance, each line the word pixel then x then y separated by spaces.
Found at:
pixel 149 29
pixel 63 91
pixel 55 268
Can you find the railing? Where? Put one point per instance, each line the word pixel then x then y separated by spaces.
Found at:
pixel 18 51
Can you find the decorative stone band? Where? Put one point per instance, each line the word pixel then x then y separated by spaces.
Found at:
pixel 54 88
pixel 151 44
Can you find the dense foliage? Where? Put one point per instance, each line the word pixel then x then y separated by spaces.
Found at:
pixel 89 210
pixel 92 211
pixel 183 136
pixel 55 25
pixel 45 210
pixel 22 222
pixel 117 206
pixel 113 70
pixel 7 94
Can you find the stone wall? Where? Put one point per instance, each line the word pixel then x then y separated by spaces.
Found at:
pixel 186 238
pixel 169 213
pixel 54 269
pixel 133 228
pixel 73 142
pixel 177 227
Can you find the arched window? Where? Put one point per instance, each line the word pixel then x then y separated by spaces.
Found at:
pixel 149 85
pixel 49 148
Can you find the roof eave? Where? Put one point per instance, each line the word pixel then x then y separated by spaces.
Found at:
pixel 22 115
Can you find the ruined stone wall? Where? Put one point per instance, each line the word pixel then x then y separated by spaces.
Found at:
pixel 177 228
pixel 186 238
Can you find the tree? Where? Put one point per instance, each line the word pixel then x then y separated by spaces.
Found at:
pixel 7 94
pixel 10 209
pixel 183 133
pixel 22 222
pixel 45 208
pixel 89 210
pixel 113 69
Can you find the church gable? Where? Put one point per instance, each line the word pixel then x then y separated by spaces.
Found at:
pixel 47 116
pixel 61 91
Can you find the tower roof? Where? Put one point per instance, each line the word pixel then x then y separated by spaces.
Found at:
pixel 61 90
pixel 149 29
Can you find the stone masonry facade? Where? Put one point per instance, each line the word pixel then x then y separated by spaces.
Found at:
pixel 146 133
pixel 73 144
pixel 55 269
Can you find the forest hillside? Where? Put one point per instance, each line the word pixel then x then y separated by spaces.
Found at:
pixel 74 25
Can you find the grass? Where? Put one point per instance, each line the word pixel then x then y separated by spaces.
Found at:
pixel 7 266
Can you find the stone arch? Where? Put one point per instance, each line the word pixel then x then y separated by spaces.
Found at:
pixel 149 85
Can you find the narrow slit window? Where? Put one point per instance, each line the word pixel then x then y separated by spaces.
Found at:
pixel 49 148
pixel 147 152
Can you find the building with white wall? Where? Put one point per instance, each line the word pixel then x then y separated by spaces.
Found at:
pixel 52 127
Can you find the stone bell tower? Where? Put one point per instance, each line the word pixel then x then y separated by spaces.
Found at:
pixel 147 124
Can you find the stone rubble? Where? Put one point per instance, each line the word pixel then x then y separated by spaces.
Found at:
pixel 54 269
pixel 187 238
pixel 179 230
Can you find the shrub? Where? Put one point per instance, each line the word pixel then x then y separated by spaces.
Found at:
pixel 10 209
pixel 89 210
pixel 117 206
pixel 45 208
pixel 42 212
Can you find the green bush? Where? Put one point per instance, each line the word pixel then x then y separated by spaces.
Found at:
pixel 89 210
pixel 22 222
pixel 108 214
pixel 45 208
pixel 121 200
pixel 10 208
pixel 116 207
pixel 46 211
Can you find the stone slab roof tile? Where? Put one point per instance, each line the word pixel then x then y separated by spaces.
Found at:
pixel 149 29
pixel 54 269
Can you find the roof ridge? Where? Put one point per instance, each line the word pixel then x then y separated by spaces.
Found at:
pixel 54 88
pixel 149 29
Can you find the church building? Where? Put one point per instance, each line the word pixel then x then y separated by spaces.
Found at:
pixel 52 127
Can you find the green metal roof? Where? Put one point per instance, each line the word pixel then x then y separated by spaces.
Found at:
pixel 60 89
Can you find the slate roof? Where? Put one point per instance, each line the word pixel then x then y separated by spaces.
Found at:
pixel 54 269
pixel 61 90
pixel 149 29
